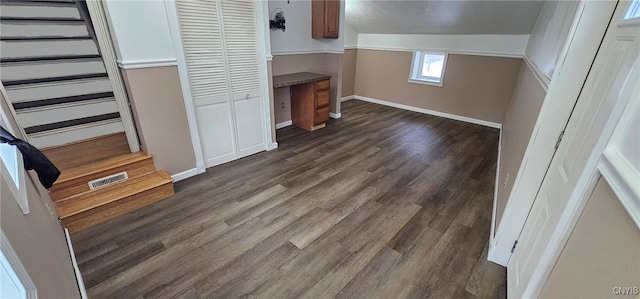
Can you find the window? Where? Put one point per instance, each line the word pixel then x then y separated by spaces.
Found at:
pixel 12 170
pixel 428 67
pixel 633 11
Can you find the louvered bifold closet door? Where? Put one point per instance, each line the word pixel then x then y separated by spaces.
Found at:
pixel 240 37
pixel 203 48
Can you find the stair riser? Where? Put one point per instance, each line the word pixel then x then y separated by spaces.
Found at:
pixel 46 69
pixel 35 92
pixel 59 192
pixel 58 113
pixel 103 213
pixel 31 11
pixel 43 30
pixel 17 49
pixel 75 133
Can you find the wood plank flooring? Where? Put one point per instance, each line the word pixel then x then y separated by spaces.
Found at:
pixel 382 203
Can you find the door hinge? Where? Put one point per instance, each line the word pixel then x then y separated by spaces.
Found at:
pixel 559 139
pixel 514 246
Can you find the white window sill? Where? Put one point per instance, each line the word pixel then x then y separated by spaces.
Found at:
pixel 438 84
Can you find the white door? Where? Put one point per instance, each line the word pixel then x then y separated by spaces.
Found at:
pixel 609 86
pixel 588 29
pixel 220 47
pixel 241 46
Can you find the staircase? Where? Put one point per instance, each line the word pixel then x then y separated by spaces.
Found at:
pixel 53 72
pixel 79 206
pixel 55 78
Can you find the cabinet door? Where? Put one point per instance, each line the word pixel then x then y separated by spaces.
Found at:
pixel 331 17
pixel 325 16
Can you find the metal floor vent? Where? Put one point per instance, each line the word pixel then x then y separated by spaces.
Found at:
pixel 108 180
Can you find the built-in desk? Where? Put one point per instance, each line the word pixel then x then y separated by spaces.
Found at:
pixel 309 98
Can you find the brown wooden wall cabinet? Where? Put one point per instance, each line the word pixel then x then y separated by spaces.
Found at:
pixel 310 105
pixel 325 15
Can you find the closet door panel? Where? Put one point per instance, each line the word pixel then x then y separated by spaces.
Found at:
pixel 240 37
pixel 250 134
pixel 202 40
pixel 216 133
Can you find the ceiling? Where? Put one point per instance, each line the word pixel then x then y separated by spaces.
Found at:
pixel 442 17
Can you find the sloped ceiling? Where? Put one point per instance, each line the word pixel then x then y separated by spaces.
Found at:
pixel 442 17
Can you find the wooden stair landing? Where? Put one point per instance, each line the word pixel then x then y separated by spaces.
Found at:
pixel 80 207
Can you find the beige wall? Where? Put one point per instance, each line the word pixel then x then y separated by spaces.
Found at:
pixel 601 253
pixel 323 63
pixel 37 237
pixel 158 107
pixel 349 72
pixel 521 116
pixel 39 242
pixel 474 86
pixel 282 112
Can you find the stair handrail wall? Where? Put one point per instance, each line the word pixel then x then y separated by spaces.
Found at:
pixel 105 46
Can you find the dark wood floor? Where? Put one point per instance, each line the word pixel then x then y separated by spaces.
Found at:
pixel 381 203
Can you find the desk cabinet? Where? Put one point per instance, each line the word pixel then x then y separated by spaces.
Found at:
pixel 310 105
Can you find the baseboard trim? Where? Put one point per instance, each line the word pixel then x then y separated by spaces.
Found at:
pixel 185 174
pixel 284 124
pixel 76 269
pixel 491 254
pixel 431 112
pixel 272 146
pixel 335 115
pixel 344 99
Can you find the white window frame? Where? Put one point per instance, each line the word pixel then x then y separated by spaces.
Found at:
pixel 630 17
pixel 18 188
pixel 417 62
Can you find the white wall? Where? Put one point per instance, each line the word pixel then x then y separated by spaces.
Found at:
pixel 549 34
pixel 350 37
pixel 297 37
pixel 140 32
pixel 482 44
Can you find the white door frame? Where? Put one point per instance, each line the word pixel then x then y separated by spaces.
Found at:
pixel 572 68
pixel 103 35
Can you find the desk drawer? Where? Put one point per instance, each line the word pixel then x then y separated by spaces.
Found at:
pixel 322 85
pixel 322 115
pixel 322 98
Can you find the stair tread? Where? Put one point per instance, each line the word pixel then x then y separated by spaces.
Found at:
pixel 88 151
pixel 99 166
pixel 99 197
